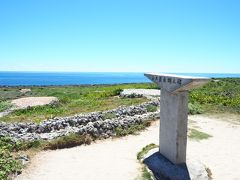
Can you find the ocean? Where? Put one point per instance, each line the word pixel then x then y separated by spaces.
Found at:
pixel 77 78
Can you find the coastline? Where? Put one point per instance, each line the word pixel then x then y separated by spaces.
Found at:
pixel 73 85
pixel 36 79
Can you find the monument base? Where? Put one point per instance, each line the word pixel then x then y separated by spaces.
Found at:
pixel 163 169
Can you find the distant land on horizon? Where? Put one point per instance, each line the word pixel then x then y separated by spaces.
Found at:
pixel 11 78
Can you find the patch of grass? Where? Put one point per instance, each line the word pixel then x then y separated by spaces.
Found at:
pixel 198 135
pixel 72 100
pixel 23 145
pixel 36 113
pixel 134 129
pixel 4 105
pixel 152 108
pixel 68 141
pixel 146 175
pixel 145 150
pixel 195 108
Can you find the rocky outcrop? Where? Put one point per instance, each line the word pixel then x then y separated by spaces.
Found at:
pixel 96 124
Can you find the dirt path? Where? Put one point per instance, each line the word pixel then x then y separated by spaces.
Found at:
pixel 221 153
pixel 116 159
pixel 22 103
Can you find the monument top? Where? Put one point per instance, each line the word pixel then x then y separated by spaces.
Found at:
pixel 175 83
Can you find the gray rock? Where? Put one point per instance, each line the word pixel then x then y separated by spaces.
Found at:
pixel 163 169
pixel 92 123
pixel 23 159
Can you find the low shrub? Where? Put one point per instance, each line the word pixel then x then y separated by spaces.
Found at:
pixel 8 164
pixel 195 108
pixel 152 108
pixel 4 105
pixel 117 92
pixel 69 141
pixel 24 145
pixel 132 129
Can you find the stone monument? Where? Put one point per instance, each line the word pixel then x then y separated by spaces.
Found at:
pixel 174 113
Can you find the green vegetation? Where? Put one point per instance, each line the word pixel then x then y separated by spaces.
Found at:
pixel 221 95
pixel 146 175
pixel 145 150
pixel 72 100
pixel 4 105
pixel 69 141
pixel 134 129
pixel 8 162
pixel 195 108
pixel 198 135
pixel 152 108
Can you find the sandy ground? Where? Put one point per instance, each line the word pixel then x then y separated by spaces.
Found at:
pixel 33 101
pixel 23 103
pixel 116 159
pixel 221 153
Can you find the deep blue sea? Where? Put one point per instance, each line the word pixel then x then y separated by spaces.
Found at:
pixel 76 78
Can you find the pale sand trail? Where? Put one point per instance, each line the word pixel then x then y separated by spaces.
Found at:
pixel 116 159
pixel 221 153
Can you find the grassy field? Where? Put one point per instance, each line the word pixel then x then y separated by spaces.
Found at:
pixel 72 100
pixel 218 96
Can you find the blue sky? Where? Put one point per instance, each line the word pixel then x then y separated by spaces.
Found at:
pixel 120 35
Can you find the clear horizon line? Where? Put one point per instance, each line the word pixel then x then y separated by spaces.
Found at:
pixel 117 72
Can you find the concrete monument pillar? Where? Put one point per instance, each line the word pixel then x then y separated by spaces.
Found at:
pixel 174 113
